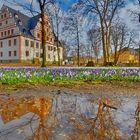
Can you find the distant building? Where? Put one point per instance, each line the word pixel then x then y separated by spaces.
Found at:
pixel 127 56
pixel 20 38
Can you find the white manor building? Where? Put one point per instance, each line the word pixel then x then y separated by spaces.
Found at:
pixel 20 37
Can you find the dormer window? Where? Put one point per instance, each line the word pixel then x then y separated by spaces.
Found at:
pixel 24 30
pixel 40 19
pixel 19 22
pixel 15 15
pixel 10 15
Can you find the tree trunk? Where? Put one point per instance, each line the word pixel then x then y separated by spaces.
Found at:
pixel 108 45
pixel 78 45
pixel 43 39
pixel 58 55
pixel 103 43
pixel 57 42
pixel 115 56
pixel 139 55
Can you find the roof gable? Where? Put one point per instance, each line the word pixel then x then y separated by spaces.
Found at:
pixel 23 22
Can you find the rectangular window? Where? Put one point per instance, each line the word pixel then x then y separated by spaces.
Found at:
pixel 9 42
pixel 47 38
pixel 38 35
pixel 59 50
pixel 49 56
pixel 46 22
pixel 0 24
pixel 37 45
pixel 15 42
pixel 51 39
pixel 12 31
pixel 26 43
pixel 1 34
pixel 6 22
pixel 5 15
pixel 37 54
pixel 15 53
pixel 5 33
pixel 10 53
pixel 1 44
pixel 51 48
pixel 27 53
pixel 48 48
pixel 32 44
pixel 41 55
pixel 40 46
pixel 54 49
pixel 8 32
pixel 1 16
pixel 1 54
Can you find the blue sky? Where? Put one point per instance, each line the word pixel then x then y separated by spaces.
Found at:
pixel 66 4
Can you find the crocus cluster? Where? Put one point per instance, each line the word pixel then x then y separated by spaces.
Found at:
pixel 42 75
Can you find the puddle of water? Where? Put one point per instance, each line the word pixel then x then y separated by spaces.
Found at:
pixel 66 117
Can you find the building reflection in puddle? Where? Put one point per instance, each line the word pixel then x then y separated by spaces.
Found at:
pixel 11 109
pixel 65 117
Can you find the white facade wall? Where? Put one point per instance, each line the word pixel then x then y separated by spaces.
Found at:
pixel 34 52
pixel 7 26
pixel 51 55
pixel 6 48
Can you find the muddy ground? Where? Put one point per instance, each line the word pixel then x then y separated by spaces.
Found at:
pixel 98 89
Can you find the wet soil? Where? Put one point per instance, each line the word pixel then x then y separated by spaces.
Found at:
pixel 99 89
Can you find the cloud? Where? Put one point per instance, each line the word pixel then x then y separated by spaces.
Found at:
pixel 128 16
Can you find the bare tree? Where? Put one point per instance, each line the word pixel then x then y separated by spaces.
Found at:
pixel 136 18
pixel 72 27
pixel 121 38
pixel 94 38
pixel 56 16
pixel 105 10
pixel 139 44
pixel 67 49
